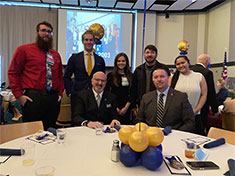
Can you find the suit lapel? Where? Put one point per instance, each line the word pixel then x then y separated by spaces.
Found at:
pixel 92 98
pixel 169 99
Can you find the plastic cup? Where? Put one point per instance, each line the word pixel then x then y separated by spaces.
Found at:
pixel 27 151
pixel 60 135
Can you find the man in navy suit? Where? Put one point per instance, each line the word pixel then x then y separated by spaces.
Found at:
pixel 78 65
pixel 95 107
pixel 176 109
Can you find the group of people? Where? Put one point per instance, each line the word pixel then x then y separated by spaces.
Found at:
pixel 182 102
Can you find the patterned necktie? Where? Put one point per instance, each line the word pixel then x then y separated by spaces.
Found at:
pixel 98 98
pixel 48 74
pixel 160 109
pixel 89 64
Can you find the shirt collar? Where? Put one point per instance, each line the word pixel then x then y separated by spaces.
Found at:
pixel 165 92
pixel 86 52
pixel 95 93
pixel 201 64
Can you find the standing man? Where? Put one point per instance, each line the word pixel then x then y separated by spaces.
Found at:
pixel 36 78
pixel 142 78
pixel 96 106
pixel 202 66
pixel 83 65
pixel 166 106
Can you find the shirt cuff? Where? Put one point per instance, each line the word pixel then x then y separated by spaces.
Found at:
pixel 85 123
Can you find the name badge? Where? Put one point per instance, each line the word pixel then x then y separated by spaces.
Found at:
pixel 108 105
pixel 50 60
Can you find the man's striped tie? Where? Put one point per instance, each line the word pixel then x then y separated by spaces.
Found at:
pixel 160 109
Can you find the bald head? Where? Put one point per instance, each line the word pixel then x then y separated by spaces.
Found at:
pixel 204 59
pixel 98 81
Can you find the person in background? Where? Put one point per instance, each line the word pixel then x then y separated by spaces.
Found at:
pixel 119 82
pixel 223 92
pixel 142 77
pixel 36 78
pixel 175 109
pixel 202 66
pixel 192 83
pixel 96 106
pixel 83 65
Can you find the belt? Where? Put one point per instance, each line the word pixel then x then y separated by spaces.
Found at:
pixel 41 92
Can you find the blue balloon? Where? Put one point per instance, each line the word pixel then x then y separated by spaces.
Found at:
pixel 122 144
pixel 159 147
pixel 152 158
pixel 128 157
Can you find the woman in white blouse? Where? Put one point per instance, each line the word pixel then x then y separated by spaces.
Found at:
pixel 192 83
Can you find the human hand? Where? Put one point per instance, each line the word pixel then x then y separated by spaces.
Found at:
pixel 22 99
pixel 59 98
pixel 123 111
pixel 114 122
pixel 95 124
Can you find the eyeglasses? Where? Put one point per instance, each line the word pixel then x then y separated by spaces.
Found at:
pixel 46 31
pixel 96 79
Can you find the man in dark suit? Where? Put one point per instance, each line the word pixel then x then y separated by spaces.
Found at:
pixel 95 106
pixel 203 62
pixel 83 65
pixel 175 110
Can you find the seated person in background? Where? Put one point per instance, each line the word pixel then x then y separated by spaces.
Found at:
pixel 95 107
pixel 223 92
pixel 166 106
pixel 14 107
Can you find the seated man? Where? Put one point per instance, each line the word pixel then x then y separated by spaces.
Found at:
pixel 95 106
pixel 166 106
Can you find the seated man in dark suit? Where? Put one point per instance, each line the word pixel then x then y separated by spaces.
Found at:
pixel 95 106
pixel 166 106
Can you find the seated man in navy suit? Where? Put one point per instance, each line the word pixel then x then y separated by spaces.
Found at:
pixel 166 106
pixel 95 107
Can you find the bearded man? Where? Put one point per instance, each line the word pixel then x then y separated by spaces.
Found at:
pixel 36 78
pixel 142 78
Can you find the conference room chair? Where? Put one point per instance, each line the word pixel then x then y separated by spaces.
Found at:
pixel 64 118
pixel 13 131
pixel 217 133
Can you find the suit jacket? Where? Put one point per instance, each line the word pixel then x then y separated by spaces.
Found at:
pixel 86 107
pixel 178 112
pixel 77 67
pixel 211 94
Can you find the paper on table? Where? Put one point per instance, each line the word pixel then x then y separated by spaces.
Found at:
pixel 174 171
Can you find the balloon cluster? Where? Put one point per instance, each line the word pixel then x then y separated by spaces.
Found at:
pixel 183 46
pixel 141 145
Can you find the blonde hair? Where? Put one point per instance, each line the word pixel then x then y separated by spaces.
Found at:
pixel 221 81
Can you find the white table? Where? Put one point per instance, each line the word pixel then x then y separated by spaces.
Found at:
pixel 86 154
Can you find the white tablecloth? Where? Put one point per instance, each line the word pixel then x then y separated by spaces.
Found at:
pixel 86 154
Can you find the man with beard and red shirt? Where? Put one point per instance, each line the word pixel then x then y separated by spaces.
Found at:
pixel 142 79
pixel 36 78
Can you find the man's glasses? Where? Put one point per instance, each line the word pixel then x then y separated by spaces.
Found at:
pixel 96 79
pixel 46 31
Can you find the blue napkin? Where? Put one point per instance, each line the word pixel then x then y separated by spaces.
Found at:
pixel 215 143
pixel 52 130
pixel 117 127
pixel 231 166
pixel 8 152
pixel 167 130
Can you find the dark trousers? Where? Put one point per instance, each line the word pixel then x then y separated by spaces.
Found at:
pixel 199 129
pixel 45 107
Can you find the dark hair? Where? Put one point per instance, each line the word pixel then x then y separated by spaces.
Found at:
pixel 183 56
pixel 177 73
pixel 88 32
pixel 151 47
pixel 43 23
pixel 127 70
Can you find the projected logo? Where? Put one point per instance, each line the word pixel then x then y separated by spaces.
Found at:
pixel 79 22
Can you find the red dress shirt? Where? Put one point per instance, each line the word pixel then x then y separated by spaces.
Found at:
pixel 28 70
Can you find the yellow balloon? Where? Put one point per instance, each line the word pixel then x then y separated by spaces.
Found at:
pixel 155 136
pixel 124 133
pixel 138 141
pixel 183 45
pixel 98 30
pixel 143 126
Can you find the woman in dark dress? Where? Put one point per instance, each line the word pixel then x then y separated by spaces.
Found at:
pixel 119 83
